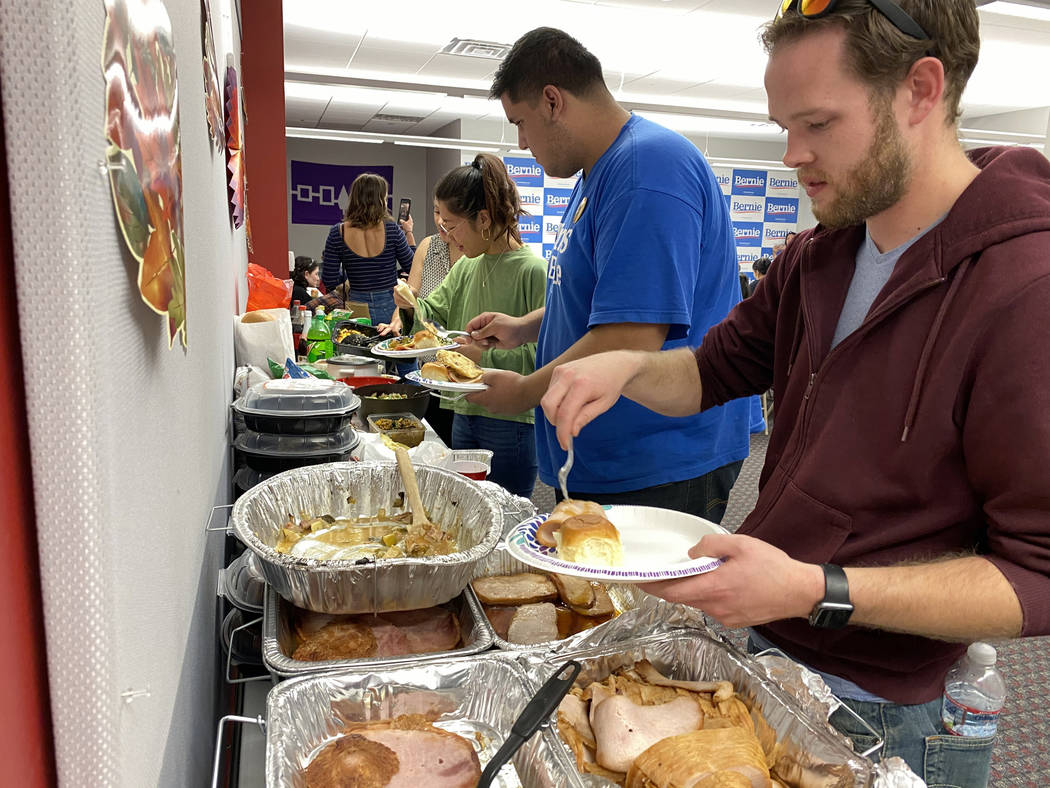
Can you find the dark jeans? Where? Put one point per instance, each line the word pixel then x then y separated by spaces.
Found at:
pixel 513 447
pixel 915 733
pixel 705 496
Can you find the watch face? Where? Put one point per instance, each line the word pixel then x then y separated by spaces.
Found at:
pixel 830 615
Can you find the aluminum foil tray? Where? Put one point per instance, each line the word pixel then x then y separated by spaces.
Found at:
pixel 692 655
pixel 361 489
pixel 500 562
pixel 476 697
pixel 278 640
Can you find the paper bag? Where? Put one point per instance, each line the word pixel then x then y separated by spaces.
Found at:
pixel 253 343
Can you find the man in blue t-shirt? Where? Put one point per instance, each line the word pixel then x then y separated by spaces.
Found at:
pixel 644 260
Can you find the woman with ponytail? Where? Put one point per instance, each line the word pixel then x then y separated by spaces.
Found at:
pixel 479 208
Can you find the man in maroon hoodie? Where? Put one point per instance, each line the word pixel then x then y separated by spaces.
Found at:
pixel 901 337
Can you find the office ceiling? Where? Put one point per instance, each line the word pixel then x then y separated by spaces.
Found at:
pixel 380 67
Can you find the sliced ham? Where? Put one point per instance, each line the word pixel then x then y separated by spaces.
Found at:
pixel 624 730
pixel 433 629
pixel 435 759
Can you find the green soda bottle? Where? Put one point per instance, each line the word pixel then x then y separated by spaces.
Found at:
pixel 319 338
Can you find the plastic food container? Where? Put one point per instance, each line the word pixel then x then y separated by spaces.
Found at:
pixel 361 489
pixel 415 402
pixel 298 406
pixel 243 582
pixel 270 453
pixel 280 640
pixel 409 433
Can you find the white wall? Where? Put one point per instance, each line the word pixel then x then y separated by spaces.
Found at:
pixel 128 437
pixel 410 180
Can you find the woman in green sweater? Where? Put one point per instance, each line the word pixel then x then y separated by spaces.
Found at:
pixel 479 208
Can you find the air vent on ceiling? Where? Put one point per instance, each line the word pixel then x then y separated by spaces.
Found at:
pixel 470 47
pixel 397 118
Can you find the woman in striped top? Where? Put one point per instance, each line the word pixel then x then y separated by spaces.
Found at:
pixel 367 249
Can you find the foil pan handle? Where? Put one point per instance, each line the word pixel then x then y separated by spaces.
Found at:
pixel 211 516
pixel 536 712
pixel 218 741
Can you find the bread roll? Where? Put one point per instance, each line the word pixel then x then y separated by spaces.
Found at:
pixel 433 371
pixel 591 540
pixel 425 339
pixel 258 316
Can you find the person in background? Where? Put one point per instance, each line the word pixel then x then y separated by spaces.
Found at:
pixel 759 268
pixel 644 259
pixel 307 274
pixel 478 210
pixel 903 507
pixel 367 249
pixel 430 266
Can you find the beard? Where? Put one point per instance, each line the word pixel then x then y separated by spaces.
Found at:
pixel 878 182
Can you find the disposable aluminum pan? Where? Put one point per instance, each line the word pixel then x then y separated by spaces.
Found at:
pixel 362 489
pixel 691 655
pixel 476 697
pixel 500 562
pixel 278 640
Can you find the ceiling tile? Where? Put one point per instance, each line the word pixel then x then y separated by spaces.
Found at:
pixel 349 113
pixel 317 48
pixel 303 112
pixel 386 56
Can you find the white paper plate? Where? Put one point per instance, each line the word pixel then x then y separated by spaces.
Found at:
pixel 383 349
pixel 444 385
pixel 655 543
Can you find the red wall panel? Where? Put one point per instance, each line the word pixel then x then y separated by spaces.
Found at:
pixel 262 67
pixel 26 749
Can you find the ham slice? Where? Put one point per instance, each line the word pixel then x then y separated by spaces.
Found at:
pixel 624 730
pixel 406 752
pixel 386 635
pixel 433 629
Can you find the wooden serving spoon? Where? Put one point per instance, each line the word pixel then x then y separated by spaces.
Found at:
pixel 420 522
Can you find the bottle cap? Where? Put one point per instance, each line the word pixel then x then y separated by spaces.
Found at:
pixel 981 654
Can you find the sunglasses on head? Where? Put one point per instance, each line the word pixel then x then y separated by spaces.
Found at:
pixel 814 9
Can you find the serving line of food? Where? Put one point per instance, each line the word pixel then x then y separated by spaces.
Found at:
pixel 411 614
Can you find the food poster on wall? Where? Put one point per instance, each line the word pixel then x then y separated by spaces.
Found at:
pixel 320 191
pixel 544 199
pixel 144 157
pixel 763 207
pixel 212 100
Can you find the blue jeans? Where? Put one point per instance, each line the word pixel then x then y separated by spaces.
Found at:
pixel 705 496
pixel 513 447
pixel 380 310
pixel 915 733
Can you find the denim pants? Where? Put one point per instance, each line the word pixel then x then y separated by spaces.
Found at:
pixel 513 447
pixel 705 496
pixel 380 309
pixel 915 734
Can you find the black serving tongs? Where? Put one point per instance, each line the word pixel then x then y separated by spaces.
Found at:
pixel 536 712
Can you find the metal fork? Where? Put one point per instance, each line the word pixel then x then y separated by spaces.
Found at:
pixel 563 471
pixel 443 332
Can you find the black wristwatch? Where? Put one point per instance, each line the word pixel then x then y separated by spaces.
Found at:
pixel 834 610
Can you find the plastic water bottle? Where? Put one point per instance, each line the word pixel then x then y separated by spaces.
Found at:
pixel 319 338
pixel 974 692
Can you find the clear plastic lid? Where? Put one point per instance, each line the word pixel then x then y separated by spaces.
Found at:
pixel 298 397
pixel 244 582
pixel 339 442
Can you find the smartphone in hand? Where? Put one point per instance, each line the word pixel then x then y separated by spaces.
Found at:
pixel 404 210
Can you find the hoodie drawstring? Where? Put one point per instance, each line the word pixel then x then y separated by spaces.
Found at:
pixel 927 348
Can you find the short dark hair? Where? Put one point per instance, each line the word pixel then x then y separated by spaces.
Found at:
pixel 761 265
pixel 303 266
pixel 547 56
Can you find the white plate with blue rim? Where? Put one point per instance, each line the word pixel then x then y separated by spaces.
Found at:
pixel 389 348
pixel 655 545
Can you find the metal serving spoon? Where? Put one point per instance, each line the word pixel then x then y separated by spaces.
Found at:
pixel 536 712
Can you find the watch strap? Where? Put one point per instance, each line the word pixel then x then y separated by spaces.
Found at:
pixel 836 586
pixel 835 609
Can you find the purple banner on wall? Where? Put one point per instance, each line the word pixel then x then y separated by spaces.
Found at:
pixel 318 190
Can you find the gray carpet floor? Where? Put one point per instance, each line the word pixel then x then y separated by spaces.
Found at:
pixel 1022 753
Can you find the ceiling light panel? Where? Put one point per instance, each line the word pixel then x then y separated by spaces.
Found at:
pixel 1017 10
